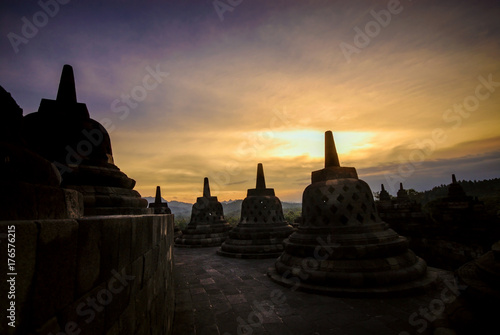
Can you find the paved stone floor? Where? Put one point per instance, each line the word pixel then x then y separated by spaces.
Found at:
pixel 220 295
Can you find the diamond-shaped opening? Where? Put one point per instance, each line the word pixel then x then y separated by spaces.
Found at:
pixel 324 199
pixel 333 209
pixel 373 217
pixel 355 196
pixel 318 210
pixel 349 208
pixel 344 219
pixel 340 198
pixel 358 187
pixel 345 188
pixel 363 207
pixel 331 189
pixel 360 218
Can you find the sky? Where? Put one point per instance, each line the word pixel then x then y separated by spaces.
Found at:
pixel 194 89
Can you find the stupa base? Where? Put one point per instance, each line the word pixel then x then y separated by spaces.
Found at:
pixel 249 255
pixel 186 241
pixel 419 286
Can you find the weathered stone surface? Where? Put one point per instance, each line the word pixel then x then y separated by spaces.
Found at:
pixel 56 250
pixel 207 227
pixel 262 227
pixel 342 247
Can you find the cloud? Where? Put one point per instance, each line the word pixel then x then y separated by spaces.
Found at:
pixel 268 68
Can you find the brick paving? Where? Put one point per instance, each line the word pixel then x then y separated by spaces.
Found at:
pixel 220 295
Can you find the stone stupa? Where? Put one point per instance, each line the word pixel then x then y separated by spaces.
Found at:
pixel 159 207
pixel 63 133
pixel 262 227
pixel 207 227
pixel 342 247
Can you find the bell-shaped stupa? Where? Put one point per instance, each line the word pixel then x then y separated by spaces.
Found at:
pixel 341 246
pixel 262 227
pixel 207 227
pixel 63 133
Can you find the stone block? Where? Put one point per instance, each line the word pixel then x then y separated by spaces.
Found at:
pixel 26 233
pixel 120 286
pixel 88 254
pixel 128 319
pixel 148 260
pixel 110 231
pixel 74 203
pixel 137 269
pixel 125 242
pixel 51 326
pixel 54 288
pixel 87 312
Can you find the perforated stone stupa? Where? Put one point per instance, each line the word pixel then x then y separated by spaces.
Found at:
pixel 63 133
pixel 262 227
pixel 207 227
pixel 341 246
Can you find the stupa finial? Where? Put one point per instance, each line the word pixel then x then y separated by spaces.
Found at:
pixel 331 157
pixel 67 90
pixel 206 188
pixel 401 186
pixel 261 181
pixel 158 195
pixel 453 179
pixel 383 189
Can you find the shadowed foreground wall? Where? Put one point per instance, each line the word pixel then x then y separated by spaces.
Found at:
pixel 95 275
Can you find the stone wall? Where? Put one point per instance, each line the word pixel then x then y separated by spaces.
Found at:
pixel 94 275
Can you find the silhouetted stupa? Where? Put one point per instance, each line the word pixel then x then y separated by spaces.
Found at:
pixel 402 195
pixel 30 184
pixel 159 207
pixel 384 195
pixel 342 247
pixel 262 227
pixel 207 227
pixel 63 133
pixel 455 191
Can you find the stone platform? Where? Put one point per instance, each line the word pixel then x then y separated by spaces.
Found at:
pixel 220 295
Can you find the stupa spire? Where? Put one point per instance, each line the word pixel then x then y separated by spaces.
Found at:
pixel 261 180
pixel 206 188
pixel 332 169
pixel 453 179
pixel 67 90
pixel 401 186
pixel 331 156
pixel 383 188
pixel 158 195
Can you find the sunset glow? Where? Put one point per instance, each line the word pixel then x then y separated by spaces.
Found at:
pixel 266 82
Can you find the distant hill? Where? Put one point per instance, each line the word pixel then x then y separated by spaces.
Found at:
pixel 232 208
